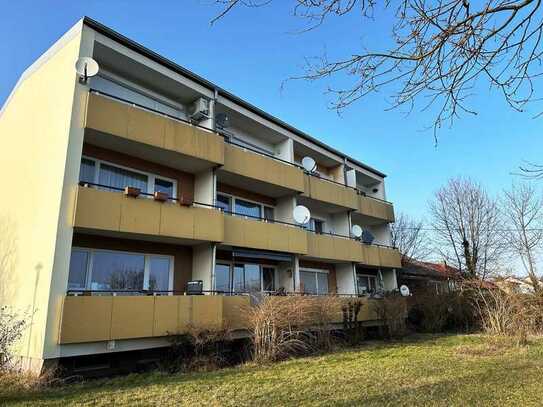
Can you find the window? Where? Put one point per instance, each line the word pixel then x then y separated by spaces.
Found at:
pixel 118 177
pixel 164 186
pixel 223 202
pixel 314 281
pixel 315 225
pixel 87 170
pixel 243 278
pixel 248 208
pixel 366 283
pixel 269 213
pixel 78 269
pixel 244 207
pixel 268 279
pixel 108 270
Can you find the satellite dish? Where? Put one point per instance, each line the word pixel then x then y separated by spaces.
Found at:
pixel 404 291
pixel 309 164
pixel 356 231
pixel 367 237
pixel 301 215
pixel 86 67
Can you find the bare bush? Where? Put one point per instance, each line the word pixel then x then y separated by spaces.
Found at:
pixel 392 310
pixel 199 349
pixel 510 314
pixel 287 326
pixel 12 327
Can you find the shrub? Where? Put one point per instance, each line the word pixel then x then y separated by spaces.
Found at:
pixel 11 330
pixel 197 350
pixel 284 326
pixel 392 310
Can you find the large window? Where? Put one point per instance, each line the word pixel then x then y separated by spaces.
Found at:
pixel 314 281
pixel 366 284
pixel 244 278
pixel 106 270
pixel 244 207
pixel 118 177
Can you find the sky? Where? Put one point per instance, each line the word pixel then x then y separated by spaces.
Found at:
pixel 251 52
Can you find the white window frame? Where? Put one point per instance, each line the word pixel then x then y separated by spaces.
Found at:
pixel 231 265
pixel 314 270
pixel 151 177
pixel 233 199
pixel 375 282
pixel 146 270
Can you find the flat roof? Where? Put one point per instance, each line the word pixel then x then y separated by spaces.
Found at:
pixel 110 33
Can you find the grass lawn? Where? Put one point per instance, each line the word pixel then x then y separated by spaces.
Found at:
pixel 426 370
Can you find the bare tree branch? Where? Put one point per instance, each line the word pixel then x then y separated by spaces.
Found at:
pixel 440 50
pixel 409 236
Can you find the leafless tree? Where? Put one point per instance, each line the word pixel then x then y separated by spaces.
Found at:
pixel 438 51
pixel 467 224
pixel 409 236
pixel 523 214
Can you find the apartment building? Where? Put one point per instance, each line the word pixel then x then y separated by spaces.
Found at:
pixel 146 199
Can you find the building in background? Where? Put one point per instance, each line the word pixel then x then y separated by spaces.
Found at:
pixel 121 189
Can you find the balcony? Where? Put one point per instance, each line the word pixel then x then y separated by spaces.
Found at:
pixel 285 177
pixel 105 318
pixel 375 208
pixel 338 248
pixel 330 192
pixel 138 127
pixel 250 233
pixel 115 212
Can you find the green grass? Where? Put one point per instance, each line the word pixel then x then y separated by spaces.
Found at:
pixel 428 370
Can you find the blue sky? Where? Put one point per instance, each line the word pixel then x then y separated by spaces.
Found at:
pixel 251 52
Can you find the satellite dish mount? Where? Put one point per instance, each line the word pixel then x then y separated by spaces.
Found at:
pixel 86 67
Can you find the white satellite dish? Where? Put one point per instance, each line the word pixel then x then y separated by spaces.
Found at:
pixel 404 291
pixel 309 164
pixel 356 231
pixel 86 67
pixel 301 215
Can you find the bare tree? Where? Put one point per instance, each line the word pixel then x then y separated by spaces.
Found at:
pixel 409 236
pixel 467 223
pixel 438 51
pixel 523 210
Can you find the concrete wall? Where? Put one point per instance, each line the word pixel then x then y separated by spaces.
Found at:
pixel 41 139
pixel 203 264
pixel 345 278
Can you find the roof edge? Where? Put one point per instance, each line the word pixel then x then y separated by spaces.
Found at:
pixel 114 35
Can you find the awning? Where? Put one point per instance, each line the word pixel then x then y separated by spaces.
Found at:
pixel 262 255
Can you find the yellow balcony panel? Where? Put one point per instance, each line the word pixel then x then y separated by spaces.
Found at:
pixel 235 309
pixel 166 315
pixel 265 169
pixel 207 311
pixel 113 211
pixel 140 215
pixel 333 247
pixel 370 255
pixel 132 317
pixel 255 234
pixel 390 257
pixel 375 208
pixel 184 312
pixel 98 209
pixel 330 192
pixel 107 115
pixel 86 319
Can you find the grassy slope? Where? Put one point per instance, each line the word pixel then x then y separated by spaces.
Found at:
pixel 450 370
